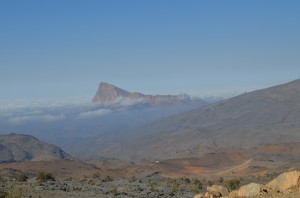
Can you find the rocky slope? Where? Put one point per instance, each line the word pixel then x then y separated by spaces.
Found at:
pixel 16 148
pixel 109 94
pixel 268 116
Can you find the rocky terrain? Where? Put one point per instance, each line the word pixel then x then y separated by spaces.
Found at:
pixel 50 184
pixel 109 94
pixel 234 148
pixel 15 148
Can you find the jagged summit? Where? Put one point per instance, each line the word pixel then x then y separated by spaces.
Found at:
pixel 108 93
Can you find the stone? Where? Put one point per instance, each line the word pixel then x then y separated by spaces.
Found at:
pixel 218 191
pixel 233 194
pixel 198 196
pixel 207 195
pixel 249 190
pixel 285 181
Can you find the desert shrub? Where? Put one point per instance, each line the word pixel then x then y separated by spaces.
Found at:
pixel 196 190
pixel 221 179
pixel 198 184
pixel 232 184
pixel 186 180
pixel 96 176
pixel 210 183
pixel 21 177
pixel 153 186
pixel 175 187
pixel 6 195
pixel 114 190
pixel 91 182
pixel 108 179
pixel 3 194
pixel 132 179
pixel 45 176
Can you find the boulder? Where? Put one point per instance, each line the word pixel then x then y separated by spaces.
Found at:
pixel 285 181
pixel 249 190
pixel 207 195
pixel 218 191
pixel 198 196
pixel 233 194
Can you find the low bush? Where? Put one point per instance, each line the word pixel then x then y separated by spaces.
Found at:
pixel 21 177
pixel 45 176
pixel 232 184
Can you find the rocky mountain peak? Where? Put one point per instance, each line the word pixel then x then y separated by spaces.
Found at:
pixel 108 93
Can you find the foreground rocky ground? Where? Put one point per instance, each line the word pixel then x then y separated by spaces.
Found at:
pixel 107 187
pixel 286 185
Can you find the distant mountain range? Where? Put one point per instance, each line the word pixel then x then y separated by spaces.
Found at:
pixel 263 123
pixel 109 94
pixel 17 148
pixel 74 127
pixel 263 117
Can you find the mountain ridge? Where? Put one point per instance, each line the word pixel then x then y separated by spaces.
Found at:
pixel 108 93
pixel 266 116
pixel 19 147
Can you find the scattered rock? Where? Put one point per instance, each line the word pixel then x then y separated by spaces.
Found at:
pixel 249 190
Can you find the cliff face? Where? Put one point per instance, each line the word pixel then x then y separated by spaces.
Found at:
pixel 108 93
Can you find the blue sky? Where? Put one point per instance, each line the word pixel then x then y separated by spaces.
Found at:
pixel 63 49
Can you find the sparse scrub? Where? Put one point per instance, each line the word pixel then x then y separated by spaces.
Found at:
pixel 186 180
pixel 232 184
pixel 45 176
pixel 108 179
pixel 175 187
pixel 3 194
pixel 221 180
pixel 210 183
pixel 198 184
pixel 132 179
pixel 96 176
pixel 153 186
pixel 21 177
pixel 196 190
pixel 114 190
pixel 91 182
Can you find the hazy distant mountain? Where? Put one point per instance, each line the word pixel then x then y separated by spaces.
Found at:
pixel 74 127
pixel 16 148
pixel 108 94
pixel 267 116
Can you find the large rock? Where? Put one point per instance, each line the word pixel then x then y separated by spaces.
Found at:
pixel 218 191
pixel 249 190
pixel 285 181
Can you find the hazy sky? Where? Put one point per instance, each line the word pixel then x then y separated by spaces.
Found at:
pixel 64 48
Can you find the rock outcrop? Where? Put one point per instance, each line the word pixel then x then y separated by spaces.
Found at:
pixel 286 185
pixel 285 181
pixel 17 148
pixel 108 94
